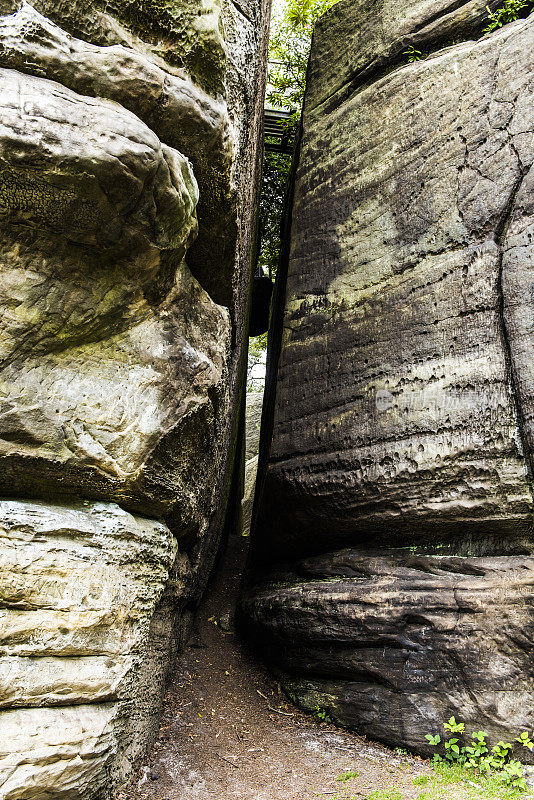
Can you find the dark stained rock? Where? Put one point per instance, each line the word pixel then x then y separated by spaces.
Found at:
pixel 397 413
pixel 395 643
pixel 262 290
pixel 403 422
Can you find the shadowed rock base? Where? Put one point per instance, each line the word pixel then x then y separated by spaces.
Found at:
pixel 395 643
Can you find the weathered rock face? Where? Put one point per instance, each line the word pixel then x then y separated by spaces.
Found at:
pixel 403 403
pixel 85 641
pixel 128 158
pixel 394 643
pixel 252 444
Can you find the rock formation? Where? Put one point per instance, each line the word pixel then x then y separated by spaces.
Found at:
pixel 129 138
pixel 396 509
pixel 252 446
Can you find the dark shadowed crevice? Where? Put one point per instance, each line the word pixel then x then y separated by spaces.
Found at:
pixel 500 236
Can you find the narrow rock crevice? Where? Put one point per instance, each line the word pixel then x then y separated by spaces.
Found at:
pixel 500 236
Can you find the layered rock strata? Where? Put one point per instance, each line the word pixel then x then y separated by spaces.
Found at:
pixel 402 439
pixel 128 155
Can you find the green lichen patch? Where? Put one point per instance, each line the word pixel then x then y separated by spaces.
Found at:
pixel 187 33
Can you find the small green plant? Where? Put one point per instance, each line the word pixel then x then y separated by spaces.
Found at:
pixel 508 12
pixel 322 714
pixel 385 794
pixel 347 776
pixel 454 727
pixel 524 739
pixel 420 780
pixel 412 54
pixel 477 757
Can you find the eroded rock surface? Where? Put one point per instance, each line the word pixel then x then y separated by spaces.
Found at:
pixel 252 444
pixel 403 403
pixel 129 146
pixel 86 635
pixel 389 643
pixel 396 405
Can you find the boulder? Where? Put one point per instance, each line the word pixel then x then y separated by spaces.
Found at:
pixel 98 303
pixel 396 505
pixel 252 444
pixel 394 644
pixel 397 409
pixel 89 595
pixel 177 109
pixel 253 424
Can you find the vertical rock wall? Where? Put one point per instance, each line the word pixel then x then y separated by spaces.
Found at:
pixel 397 503
pixel 129 150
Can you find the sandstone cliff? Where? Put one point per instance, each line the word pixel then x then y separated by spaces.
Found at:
pixel 129 145
pixel 397 501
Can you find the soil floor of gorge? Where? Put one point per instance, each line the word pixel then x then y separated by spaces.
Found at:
pixel 229 733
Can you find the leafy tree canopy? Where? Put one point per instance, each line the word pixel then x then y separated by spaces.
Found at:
pixel 289 49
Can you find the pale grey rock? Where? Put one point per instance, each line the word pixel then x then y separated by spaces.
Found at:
pixel 76 751
pixel 253 413
pixel 253 424
pixel 111 350
pixel 123 303
pixel 179 111
pixel 86 631
pixel 251 471
pixel 208 56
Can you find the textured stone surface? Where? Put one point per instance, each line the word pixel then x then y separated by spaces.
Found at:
pixel 207 53
pixel 178 110
pixel 120 318
pixel 394 644
pixel 253 417
pixel 252 444
pixel 251 471
pixel 357 39
pixel 129 149
pixel 86 631
pixel 396 408
pixel 403 403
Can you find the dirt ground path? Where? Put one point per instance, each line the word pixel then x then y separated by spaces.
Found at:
pixel 228 732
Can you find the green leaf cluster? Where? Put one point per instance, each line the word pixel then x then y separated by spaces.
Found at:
pixel 508 12
pixel 475 755
pixel 289 50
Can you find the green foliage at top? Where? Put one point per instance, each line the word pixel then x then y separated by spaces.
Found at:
pixel 275 174
pixel 508 12
pixel 289 50
pixel 476 756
